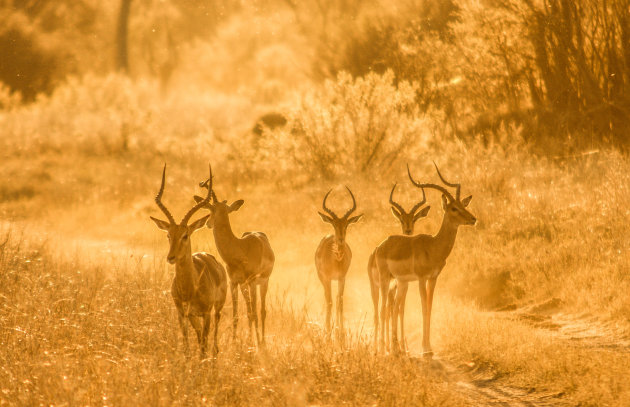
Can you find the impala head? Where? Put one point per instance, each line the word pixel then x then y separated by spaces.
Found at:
pixel 408 219
pixel 218 209
pixel 178 234
pixel 340 224
pixel 454 207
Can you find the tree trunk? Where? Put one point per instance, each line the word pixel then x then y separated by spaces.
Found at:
pixel 122 57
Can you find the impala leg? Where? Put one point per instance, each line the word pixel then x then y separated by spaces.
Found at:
pixel 204 332
pixel 234 292
pixel 401 290
pixel 328 297
pixel 183 325
pixel 426 348
pixel 253 295
pixel 375 294
pixel 194 321
pixel 217 317
pixel 401 315
pixel 250 311
pixel 391 314
pixel 340 287
pixel 426 334
pixel 263 306
pixel 384 286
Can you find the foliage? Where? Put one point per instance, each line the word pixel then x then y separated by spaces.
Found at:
pixel 553 67
pixel 581 54
pixel 27 65
pixel 350 126
pixel 113 114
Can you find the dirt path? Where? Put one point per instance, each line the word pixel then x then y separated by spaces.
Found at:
pixel 482 387
pixel 479 385
pixel 579 330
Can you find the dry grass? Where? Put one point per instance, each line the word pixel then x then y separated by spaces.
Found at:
pixel 85 307
pixel 86 317
pixel 80 332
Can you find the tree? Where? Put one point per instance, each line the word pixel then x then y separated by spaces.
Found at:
pixel 122 53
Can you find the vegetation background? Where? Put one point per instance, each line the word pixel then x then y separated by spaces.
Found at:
pixel 525 102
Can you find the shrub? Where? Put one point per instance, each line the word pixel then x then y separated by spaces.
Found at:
pixel 101 115
pixel 553 67
pixel 350 126
pixel 26 65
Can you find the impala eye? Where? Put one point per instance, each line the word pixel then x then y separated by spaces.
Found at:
pixel 184 237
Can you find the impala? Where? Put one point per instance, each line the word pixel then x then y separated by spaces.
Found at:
pixel 333 257
pixel 249 260
pixel 407 222
pixel 200 283
pixel 421 257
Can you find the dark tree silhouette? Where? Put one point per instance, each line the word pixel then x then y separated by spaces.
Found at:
pixel 122 55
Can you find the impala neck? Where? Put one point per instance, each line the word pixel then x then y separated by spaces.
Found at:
pixel 186 276
pixel 225 239
pixel 445 238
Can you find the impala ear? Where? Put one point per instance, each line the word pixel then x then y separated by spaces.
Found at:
pixel 198 223
pixel 160 223
pixel 325 218
pixel 444 202
pixel 466 201
pixel 236 205
pixel 423 212
pixel 354 219
pixel 396 212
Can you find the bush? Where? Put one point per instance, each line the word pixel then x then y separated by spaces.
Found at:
pixel 349 126
pixel 26 65
pixel 102 115
pixel 552 67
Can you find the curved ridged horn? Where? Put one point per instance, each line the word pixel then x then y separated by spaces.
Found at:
pixel 419 204
pixel 438 187
pixel 354 204
pixel 158 198
pixel 328 211
pixel 208 185
pixel 456 186
pixel 393 203
pixel 400 208
pixel 201 203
